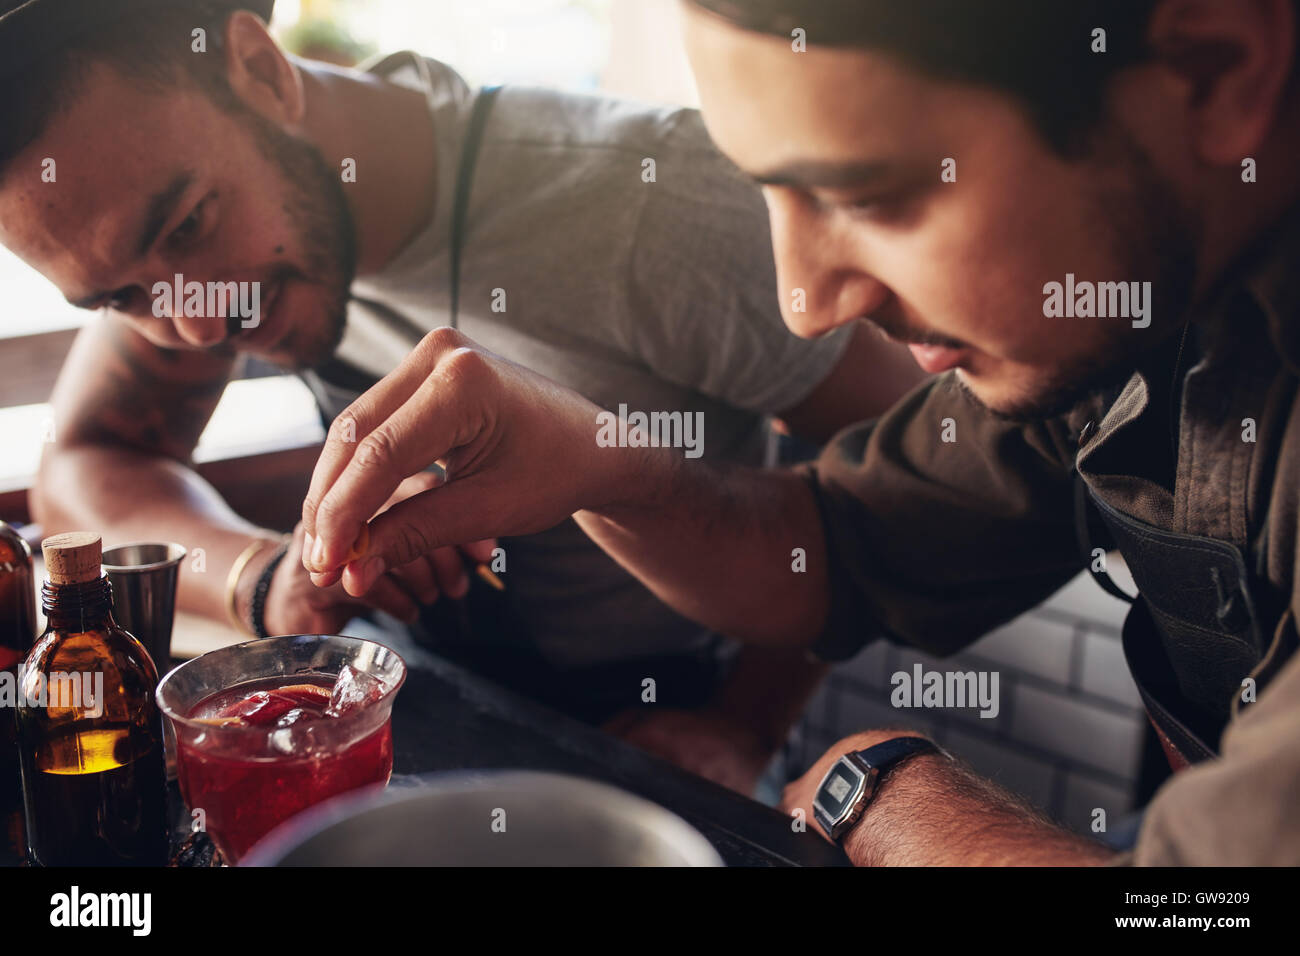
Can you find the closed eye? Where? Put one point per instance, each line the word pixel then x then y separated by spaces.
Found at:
pixel 844 199
pixel 123 300
pixel 190 228
pixel 876 206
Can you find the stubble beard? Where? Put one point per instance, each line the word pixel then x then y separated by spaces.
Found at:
pixel 318 214
pixel 1154 237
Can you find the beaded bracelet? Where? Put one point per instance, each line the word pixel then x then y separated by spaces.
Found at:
pixel 258 608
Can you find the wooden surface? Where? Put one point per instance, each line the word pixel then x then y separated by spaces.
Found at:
pixel 29 365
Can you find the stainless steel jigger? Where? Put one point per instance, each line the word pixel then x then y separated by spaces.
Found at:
pixel 144 594
pixel 143 577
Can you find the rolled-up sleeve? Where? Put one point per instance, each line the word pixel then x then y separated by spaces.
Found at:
pixel 942 521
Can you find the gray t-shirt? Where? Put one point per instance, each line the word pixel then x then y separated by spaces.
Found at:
pixel 660 296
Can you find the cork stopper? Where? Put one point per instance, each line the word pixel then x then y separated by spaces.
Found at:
pixel 72 558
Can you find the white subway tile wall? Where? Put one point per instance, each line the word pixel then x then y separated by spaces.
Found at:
pixel 1070 727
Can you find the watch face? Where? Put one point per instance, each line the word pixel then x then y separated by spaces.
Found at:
pixel 839 789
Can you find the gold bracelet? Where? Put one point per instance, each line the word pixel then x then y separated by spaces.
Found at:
pixel 232 581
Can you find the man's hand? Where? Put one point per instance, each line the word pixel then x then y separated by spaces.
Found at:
pixel 519 452
pixel 296 605
pixel 520 455
pixel 705 742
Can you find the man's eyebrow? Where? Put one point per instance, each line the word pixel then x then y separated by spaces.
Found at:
pixel 161 207
pixel 822 175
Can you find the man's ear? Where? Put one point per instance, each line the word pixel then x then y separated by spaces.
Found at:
pixel 1234 58
pixel 260 74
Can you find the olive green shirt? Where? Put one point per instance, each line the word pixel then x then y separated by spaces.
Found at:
pixel 934 542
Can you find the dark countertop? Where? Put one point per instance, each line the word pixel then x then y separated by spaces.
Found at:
pixel 448 719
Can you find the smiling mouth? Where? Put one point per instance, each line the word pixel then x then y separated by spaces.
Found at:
pixel 246 337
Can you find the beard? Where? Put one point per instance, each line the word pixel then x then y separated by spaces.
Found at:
pixel 1149 232
pixel 1104 378
pixel 318 215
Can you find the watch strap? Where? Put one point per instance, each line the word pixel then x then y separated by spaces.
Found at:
pixel 884 755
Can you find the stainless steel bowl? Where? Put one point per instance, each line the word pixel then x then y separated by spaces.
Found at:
pixel 487 818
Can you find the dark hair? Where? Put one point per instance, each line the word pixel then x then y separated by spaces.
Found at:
pixel 1038 51
pixel 152 48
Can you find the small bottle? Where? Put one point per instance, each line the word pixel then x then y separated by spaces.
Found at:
pixel 17 630
pixel 89 730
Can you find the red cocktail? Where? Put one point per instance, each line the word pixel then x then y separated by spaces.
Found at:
pixel 253 749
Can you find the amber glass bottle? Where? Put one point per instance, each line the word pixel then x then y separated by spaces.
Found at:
pixel 89 730
pixel 17 629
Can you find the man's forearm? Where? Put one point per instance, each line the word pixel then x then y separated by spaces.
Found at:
pixel 932 811
pixel 768 690
pixel 129 496
pixel 740 550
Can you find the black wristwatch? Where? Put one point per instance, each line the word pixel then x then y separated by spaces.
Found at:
pixel 853 780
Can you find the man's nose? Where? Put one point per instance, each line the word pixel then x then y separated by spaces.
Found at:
pixel 201 331
pixel 191 317
pixel 156 296
pixel 821 284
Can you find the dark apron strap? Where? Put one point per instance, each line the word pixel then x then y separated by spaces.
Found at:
pixel 484 617
pixel 335 375
pixel 464 186
pixel 1181 745
pixel 1083 533
pixel 1193 633
pixel 1156 684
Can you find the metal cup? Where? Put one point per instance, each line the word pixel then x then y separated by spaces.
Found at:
pixel 144 594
